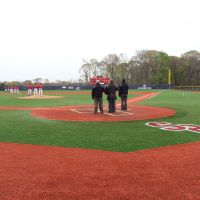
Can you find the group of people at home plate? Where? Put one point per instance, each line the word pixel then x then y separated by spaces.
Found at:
pixel 37 89
pixel 110 90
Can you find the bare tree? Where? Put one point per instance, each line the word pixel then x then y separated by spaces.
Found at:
pixel 85 71
pixel 111 61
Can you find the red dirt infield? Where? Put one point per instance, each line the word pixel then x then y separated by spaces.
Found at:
pixel 31 172
pixel 85 112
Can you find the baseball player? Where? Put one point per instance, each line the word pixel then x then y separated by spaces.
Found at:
pixel 11 89
pixel 40 87
pixel 29 87
pixel 35 91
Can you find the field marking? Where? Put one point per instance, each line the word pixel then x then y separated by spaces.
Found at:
pixel 77 110
pixel 149 96
pixel 90 110
pixel 123 113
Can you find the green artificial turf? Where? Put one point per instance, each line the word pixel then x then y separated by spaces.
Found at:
pixel 68 99
pixel 20 127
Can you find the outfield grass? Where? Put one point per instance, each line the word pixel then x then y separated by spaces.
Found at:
pixel 19 127
pixel 69 99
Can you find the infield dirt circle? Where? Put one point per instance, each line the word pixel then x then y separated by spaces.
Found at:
pixel 41 97
pixel 85 112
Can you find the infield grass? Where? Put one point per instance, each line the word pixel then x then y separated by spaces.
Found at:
pixel 20 127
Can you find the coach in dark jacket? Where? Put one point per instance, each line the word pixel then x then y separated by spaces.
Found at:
pixel 123 93
pixel 97 93
pixel 111 92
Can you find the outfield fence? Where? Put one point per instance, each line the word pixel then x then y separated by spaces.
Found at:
pixel 193 88
pixel 89 87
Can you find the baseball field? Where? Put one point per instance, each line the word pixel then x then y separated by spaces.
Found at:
pixel 56 148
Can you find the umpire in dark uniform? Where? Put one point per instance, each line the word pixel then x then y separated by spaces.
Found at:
pixel 123 94
pixel 111 92
pixel 97 93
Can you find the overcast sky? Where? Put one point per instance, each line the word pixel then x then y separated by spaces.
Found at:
pixel 49 38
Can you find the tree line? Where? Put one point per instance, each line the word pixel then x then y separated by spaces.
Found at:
pixel 146 67
pixel 45 82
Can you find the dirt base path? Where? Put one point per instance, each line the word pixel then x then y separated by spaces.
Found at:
pixel 30 172
pixel 85 112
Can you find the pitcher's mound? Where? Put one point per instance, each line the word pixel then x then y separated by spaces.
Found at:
pixel 41 97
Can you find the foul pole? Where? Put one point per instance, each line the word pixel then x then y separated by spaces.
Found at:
pixel 169 78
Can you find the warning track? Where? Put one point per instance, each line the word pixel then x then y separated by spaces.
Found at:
pixel 30 172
